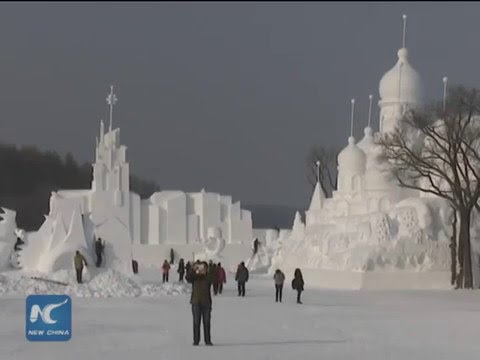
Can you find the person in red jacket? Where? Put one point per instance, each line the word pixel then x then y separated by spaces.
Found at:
pixel 165 270
pixel 221 277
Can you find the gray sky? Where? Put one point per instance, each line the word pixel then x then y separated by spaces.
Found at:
pixel 226 96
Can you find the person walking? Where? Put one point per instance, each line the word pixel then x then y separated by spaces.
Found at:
pixel 99 248
pixel 78 261
pixel 181 270
pixel 279 279
pixel 298 284
pixel 221 277
pixel 188 266
pixel 241 277
pixel 165 270
pixel 201 300
pixel 172 256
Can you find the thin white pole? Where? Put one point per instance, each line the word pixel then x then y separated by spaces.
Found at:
pixel 318 171
pixel 370 97
pixel 351 117
pixel 111 107
pixel 404 30
pixel 445 80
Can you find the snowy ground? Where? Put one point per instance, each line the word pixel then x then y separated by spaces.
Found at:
pixel 330 325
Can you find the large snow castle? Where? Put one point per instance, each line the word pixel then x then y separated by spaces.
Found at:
pixel 372 233
pixel 193 225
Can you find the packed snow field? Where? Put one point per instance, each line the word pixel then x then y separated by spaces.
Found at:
pixel 133 322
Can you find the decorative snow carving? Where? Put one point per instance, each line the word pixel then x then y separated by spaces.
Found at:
pixel 8 227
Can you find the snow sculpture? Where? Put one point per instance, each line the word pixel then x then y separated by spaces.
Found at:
pixel 215 242
pixel 109 210
pixel 271 237
pixel 77 217
pixel 177 217
pixel 298 230
pixel 212 246
pixel 261 261
pixel 7 236
pixel 52 247
pixel 371 232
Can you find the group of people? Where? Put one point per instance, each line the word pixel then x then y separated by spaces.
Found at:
pixel 203 276
pixel 79 260
pixel 216 271
pixel 297 284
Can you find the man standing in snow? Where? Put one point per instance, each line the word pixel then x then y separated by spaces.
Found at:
pixel 255 246
pixel 99 246
pixel 221 277
pixel 279 278
pixel 200 278
pixel 241 277
pixel 165 271
pixel 181 270
pixel 79 260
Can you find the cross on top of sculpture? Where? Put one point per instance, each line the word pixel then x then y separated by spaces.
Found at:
pixel 111 100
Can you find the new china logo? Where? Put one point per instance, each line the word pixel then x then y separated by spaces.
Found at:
pixel 49 318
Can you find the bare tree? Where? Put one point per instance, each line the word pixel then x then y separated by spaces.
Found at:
pixel 327 159
pixel 443 159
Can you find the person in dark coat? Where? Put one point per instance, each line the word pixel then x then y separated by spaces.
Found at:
pixel 298 284
pixel 201 300
pixel 213 274
pixel 172 256
pixel 99 248
pixel 78 261
pixel 255 246
pixel 181 270
pixel 165 271
pixel 221 277
pixel 188 266
pixel 18 244
pixel 279 279
pixel 241 277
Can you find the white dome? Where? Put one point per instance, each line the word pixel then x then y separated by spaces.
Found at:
pixel 352 158
pixel 367 143
pixel 411 88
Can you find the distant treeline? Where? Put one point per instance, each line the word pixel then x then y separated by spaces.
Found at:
pixel 28 176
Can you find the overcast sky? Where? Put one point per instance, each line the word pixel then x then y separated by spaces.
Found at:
pixel 223 96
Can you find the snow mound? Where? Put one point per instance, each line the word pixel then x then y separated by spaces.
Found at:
pixel 106 284
pixel 164 289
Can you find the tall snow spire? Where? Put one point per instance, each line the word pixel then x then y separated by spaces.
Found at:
pixel 445 80
pixel 102 130
pixel 111 100
pixel 352 102
pixel 370 98
pixel 403 49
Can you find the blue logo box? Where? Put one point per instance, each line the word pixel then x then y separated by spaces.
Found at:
pixel 48 318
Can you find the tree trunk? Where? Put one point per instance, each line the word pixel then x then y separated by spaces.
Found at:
pixel 465 254
pixel 453 249
pixel 460 258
